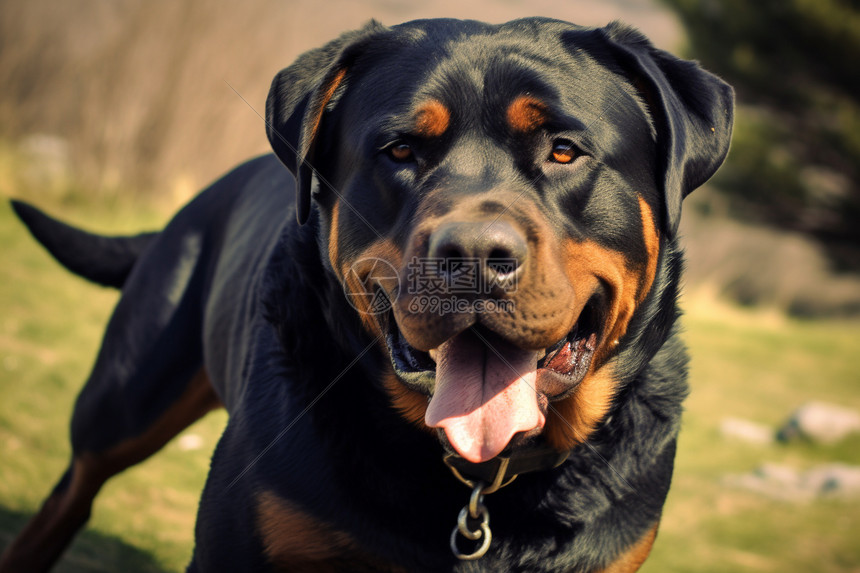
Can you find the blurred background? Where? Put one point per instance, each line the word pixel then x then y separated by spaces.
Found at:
pixel 113 114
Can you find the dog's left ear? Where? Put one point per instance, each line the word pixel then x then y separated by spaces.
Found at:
pixel 298 99
pixel 693 111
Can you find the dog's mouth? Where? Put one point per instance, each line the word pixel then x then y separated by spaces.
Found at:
pixel 570 357
pixel 484 390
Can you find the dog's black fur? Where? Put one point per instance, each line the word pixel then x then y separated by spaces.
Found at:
pixel 575 145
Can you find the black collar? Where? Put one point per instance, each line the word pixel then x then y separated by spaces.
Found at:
pixel 485 478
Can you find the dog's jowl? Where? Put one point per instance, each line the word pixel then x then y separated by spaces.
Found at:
pixel 458 268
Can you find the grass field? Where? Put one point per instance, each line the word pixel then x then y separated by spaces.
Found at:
pixel 753 365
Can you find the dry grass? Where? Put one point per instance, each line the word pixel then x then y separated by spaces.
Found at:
pixel 781 271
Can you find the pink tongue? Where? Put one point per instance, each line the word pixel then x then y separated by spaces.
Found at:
pixel 480 400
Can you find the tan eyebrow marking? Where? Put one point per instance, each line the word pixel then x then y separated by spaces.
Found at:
pixel 432 119
pixel 527 113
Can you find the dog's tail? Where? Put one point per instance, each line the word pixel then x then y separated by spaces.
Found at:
pixel 101 259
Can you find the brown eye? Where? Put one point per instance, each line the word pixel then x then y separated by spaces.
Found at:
pixel 401 152
pixel 563 152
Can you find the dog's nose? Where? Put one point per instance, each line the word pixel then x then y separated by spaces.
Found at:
pixel 496 248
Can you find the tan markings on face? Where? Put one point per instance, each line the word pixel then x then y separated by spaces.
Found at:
pixel 632 559
pixel 572 420
pixel 373 267
pixel 627 287
pixel 652 247
pixel 376 263
pixel 432 119
pixel 526 113
pixel 293 538
pixel 587 262
pixel 411 405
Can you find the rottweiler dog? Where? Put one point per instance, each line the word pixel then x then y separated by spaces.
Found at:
pixel 445 334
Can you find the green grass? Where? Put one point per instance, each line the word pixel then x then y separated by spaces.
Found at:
pixel 760 367
pixel 755 366
pixel 50 327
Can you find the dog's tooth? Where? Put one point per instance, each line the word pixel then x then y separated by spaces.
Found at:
pixel 432 354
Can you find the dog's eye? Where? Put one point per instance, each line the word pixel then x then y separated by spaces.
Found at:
pixel 401 152
pixel 563 151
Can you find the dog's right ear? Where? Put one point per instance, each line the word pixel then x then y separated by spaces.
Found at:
pixel 298 100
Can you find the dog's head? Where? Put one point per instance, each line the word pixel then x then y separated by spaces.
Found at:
pixel 508 198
